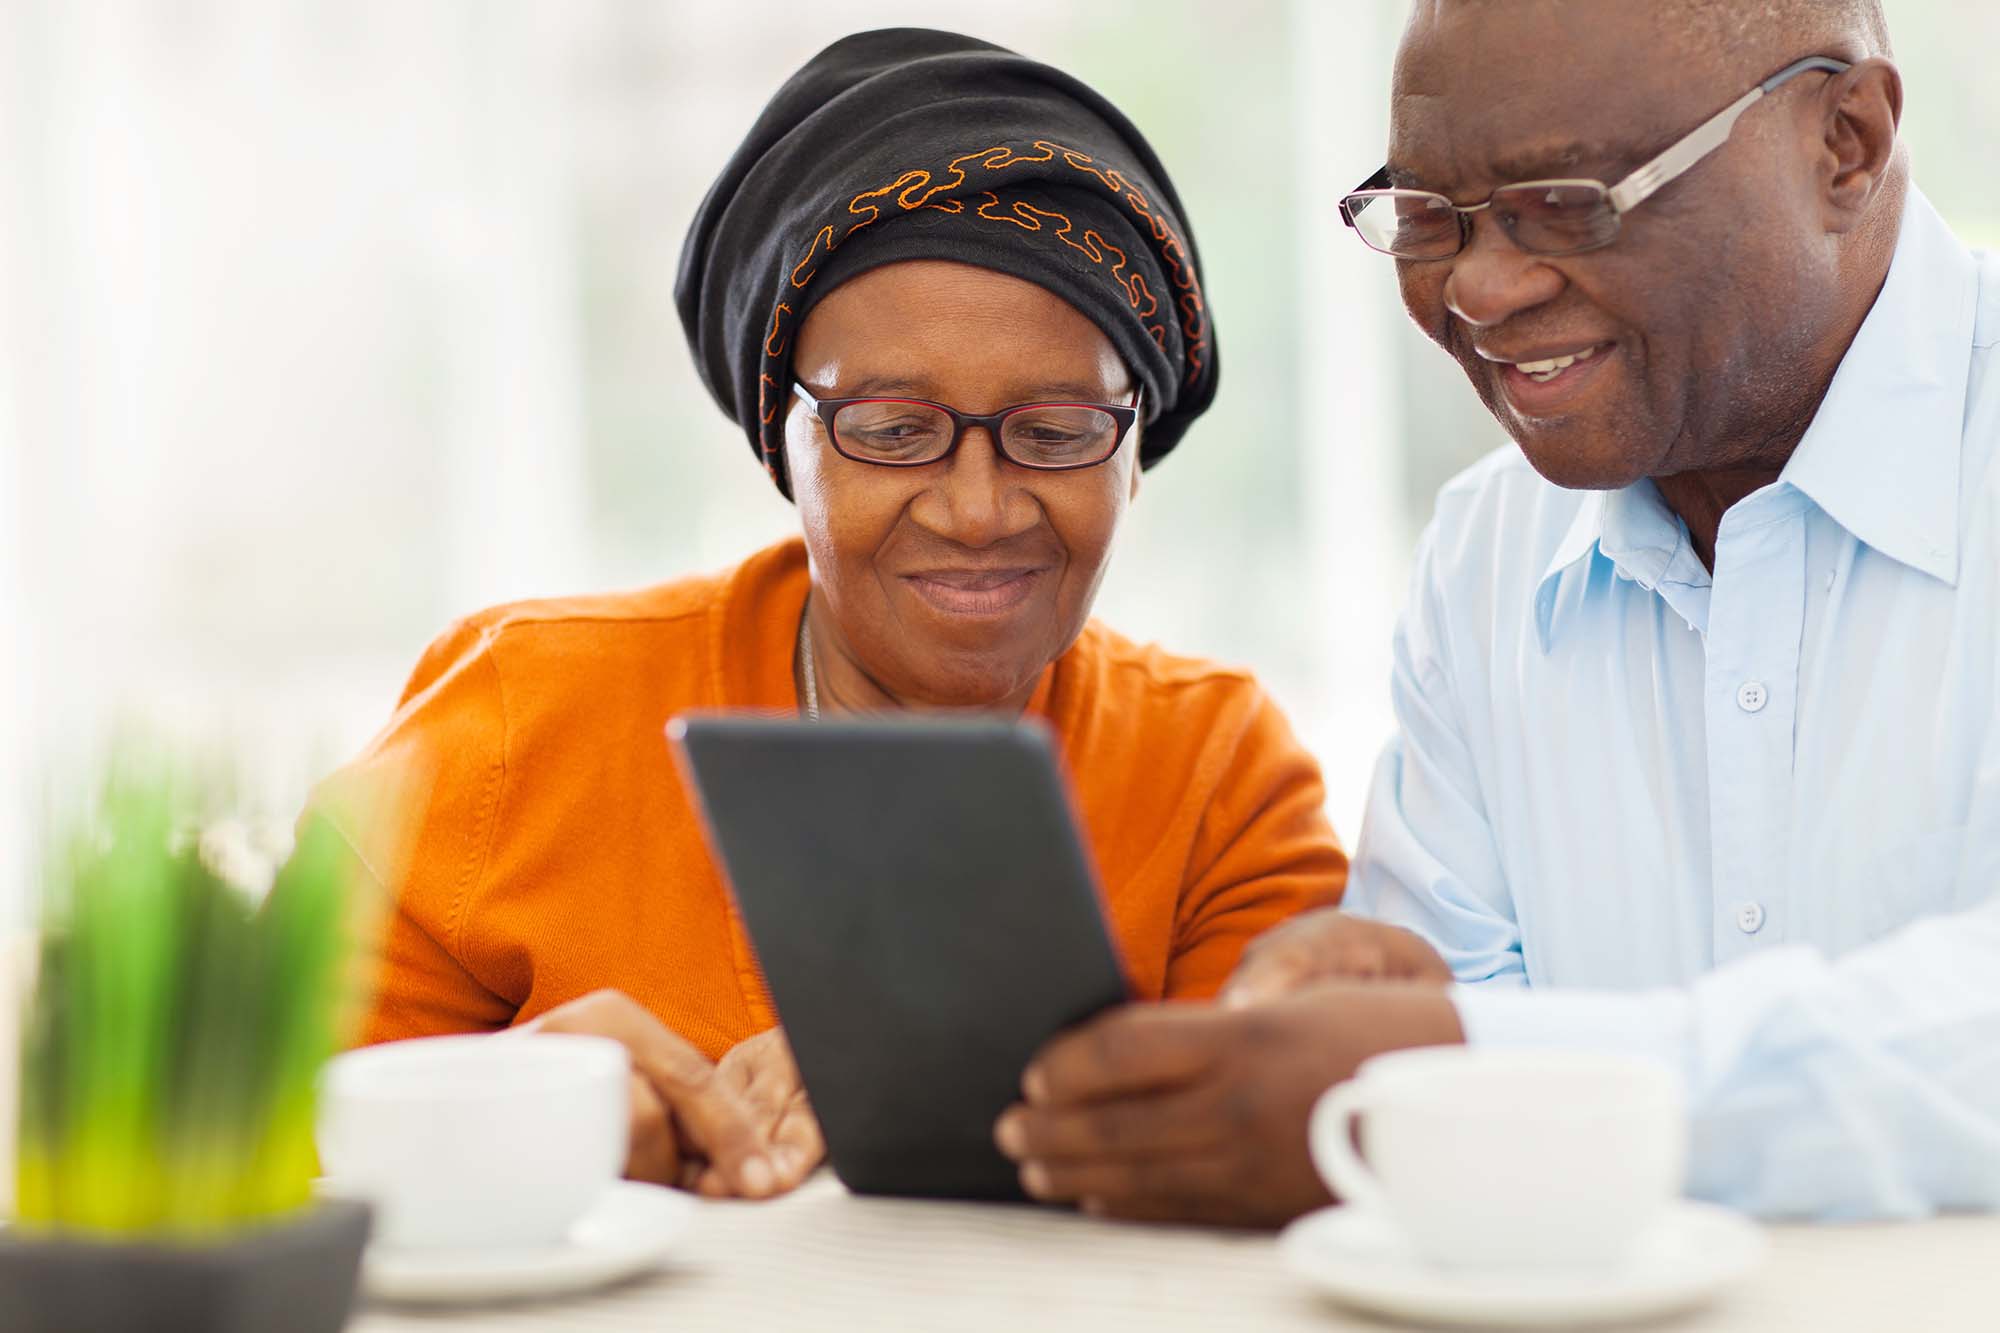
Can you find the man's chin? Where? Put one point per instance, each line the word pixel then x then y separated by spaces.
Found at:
pixel 1578 460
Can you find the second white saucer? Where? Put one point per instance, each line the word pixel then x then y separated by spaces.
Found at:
pixel 1360 1259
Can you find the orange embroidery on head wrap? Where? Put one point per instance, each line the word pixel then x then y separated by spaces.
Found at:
pixel 1139 291
pixel 775 340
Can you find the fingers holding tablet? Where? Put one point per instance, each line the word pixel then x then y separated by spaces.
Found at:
pixel 691 1125
pixel 1131 1049
pixel 762 1071
pixel 1198 1112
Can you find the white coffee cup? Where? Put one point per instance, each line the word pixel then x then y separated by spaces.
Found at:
pixel 1486 1159
pixel 476 1141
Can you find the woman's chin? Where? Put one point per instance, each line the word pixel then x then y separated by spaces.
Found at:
pixel 974 685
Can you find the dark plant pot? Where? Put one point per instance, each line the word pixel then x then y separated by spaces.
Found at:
pixel 297 1276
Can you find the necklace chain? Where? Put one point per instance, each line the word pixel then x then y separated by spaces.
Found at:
pixel 806 668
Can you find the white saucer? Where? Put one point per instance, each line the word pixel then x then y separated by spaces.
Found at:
pixel 629 1230
pixel 1361 1259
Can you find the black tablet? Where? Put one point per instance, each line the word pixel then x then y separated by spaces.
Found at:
pixel 926 916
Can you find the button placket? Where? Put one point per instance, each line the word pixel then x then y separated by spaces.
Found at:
pixel 1755 620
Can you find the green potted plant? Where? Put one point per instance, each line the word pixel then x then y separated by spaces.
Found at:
pixel 169 1059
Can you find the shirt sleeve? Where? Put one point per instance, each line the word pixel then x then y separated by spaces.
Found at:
pixel 1863 1086
pixel 1263 852
pixel 1426 859
pixel 417 810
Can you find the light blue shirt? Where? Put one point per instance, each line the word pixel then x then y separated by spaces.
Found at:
pixel 1747 823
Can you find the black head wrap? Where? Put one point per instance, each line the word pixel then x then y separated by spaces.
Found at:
pixel 914 144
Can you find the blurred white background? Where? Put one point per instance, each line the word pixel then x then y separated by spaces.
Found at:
pixel 325 321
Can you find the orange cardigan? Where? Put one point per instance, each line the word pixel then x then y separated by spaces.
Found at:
pixel 546 847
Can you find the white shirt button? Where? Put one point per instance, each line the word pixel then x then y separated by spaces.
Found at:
pixel 1749 917
pixel 1751 696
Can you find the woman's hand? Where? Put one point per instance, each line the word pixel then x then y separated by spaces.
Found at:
pixel 696 1124
pixel 762 1072
pixel 1330 945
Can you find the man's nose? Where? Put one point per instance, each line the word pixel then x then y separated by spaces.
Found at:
pixel 1493 279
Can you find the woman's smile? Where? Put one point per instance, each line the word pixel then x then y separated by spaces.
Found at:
pixel 975 592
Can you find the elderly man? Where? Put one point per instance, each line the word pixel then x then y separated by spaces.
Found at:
pixel 1698 689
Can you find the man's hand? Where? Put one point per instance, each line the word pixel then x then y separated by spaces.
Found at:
pixel 1183 1112
pixel 1330 945
pixel 692 1125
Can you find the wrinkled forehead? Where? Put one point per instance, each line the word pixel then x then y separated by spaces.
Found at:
pixel 1487 91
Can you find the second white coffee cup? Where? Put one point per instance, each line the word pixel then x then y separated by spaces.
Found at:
pixel 1507 1158
pixel 487 1142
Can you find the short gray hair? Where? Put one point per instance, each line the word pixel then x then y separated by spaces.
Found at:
pixel 1800 27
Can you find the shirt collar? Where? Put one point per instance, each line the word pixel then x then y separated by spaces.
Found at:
pixel 1646 543
pixel 1882 454
pixel 1633 528
pixel 1577 544
pixel 1581 538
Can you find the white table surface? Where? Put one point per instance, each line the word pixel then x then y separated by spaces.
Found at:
pixel 824 1259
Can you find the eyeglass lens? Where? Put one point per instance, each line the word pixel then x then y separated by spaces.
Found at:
pixel 889 431
pixel 1542 217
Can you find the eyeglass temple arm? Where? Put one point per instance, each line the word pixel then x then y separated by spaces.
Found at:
pixel 1710 135
pixel 1379 181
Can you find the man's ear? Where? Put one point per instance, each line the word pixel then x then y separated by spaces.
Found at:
pixel 1863 109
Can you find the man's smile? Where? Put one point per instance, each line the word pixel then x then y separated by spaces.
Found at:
pixel 1546 380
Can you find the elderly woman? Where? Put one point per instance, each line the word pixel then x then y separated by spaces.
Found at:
pixel 949 296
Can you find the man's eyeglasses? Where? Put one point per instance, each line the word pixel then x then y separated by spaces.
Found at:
pixel 910 432
pixel 1549 217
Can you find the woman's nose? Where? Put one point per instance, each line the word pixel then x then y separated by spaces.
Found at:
pixel 977 498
